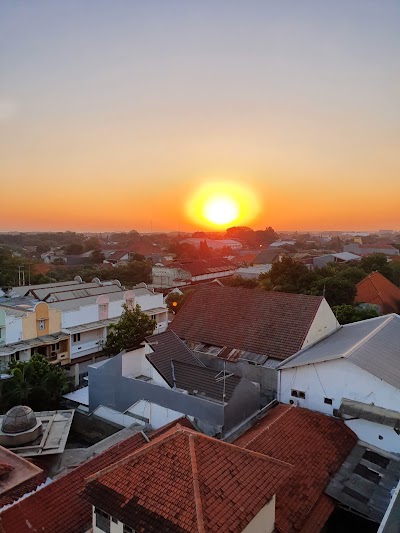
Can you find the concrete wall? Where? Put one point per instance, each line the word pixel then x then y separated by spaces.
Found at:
pixel 324 323
pixel 264 521
pixel 341 379
pixel 108 387
pixel 30 323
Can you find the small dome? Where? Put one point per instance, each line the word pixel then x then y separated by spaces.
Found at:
pixel 19 419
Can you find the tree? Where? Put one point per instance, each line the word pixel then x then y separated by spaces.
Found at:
pixel 287 275
pixel 346 314
pixel 175 300
pixel 75 248
pixel 337 291
pixel 239 281
pixel 129 332
pixel 375 263
pixel 97 256
pixel 36 383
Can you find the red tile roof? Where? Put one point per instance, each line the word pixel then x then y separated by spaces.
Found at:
pixel 187 482
pixel 316 445
pixel 58 507
pixel 274 324
pixel 144 248
pixel 378 290
pixel 5 468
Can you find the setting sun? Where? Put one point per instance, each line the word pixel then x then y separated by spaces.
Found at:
pixel 217 204
pixel 221 210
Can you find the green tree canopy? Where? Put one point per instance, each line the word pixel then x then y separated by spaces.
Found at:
pixel 174 300
pixel 346 314
pixel 129 332
pixel 36 383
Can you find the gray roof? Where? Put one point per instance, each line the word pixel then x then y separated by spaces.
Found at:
pixel 266 257
pixel 364 482
pixel 18 306
pixel 24 289
pixel 373 345
pixel 166 347
pixel 204 382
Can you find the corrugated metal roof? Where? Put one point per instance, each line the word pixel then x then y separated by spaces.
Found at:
pixel 202 381
pixel 373 345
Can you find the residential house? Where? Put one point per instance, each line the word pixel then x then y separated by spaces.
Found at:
pixel 366 249
pixel 163 380
pixel 250 331
pixel 186 272
pixel 214 244
pixel 354 373
pixel 119 256
pixel 252 272
pixel 316 446
pixel 200 486
pixel 270 256
pixel 30 326
pixel 377 291
pixel 341 257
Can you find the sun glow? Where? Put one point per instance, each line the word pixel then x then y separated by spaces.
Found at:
pixel 218 204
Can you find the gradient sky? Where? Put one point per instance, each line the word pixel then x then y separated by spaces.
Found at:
pixel 113 112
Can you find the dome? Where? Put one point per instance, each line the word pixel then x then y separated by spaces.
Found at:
pixel 19 419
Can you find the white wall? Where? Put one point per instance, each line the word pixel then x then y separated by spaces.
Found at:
pixel 13 327
pixel 324 323
pixel 341 379
pixel 264 521
pixel 135 363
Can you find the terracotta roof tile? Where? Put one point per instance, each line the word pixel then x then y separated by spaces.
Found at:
pixel 187 482
pixel 378 290
pixel 274 324
pixel 316 445
pixel 58 507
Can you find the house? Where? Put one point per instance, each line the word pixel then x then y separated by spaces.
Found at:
pixel 214 244
pixel 316 446
pixel 365 249
pixel 252 272
pixel 354 373
pixel 29 326
pixel 378 291
pixel 59 505
pixel 270 256
pixel 76 317
pixel 341 257
pixel 199 484
pixel 249 331
pixel 163 380
pixel 119 256
pixel 186 272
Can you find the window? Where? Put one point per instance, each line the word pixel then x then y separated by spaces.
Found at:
pixel 298 394
pixel 129 303
pixel 15 356
pixel 42 324
pixel 328 401
pixel 102 520
pixel 55 347
pixel 128 529
pixel 76 337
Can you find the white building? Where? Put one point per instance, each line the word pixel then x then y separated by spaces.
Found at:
pixel 354 373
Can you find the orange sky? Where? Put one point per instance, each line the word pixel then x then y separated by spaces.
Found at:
pixel 111 118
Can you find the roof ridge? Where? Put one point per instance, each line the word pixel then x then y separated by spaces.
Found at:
pixel 196 486
pixel 289 407
pixel 361 342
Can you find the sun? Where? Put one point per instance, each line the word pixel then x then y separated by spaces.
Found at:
pixel 220 209
pixel 218 204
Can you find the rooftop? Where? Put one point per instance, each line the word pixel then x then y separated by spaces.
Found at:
pixel 375 289
pixel 373 345
pixel 316 445
pixel 187 482
pixel 274 324
pixel 73 513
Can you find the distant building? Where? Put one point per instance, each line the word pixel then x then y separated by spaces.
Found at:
pixel 214 244
pixel 366 249
pixel 377 291
pixel 186 272
pixel 340 257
